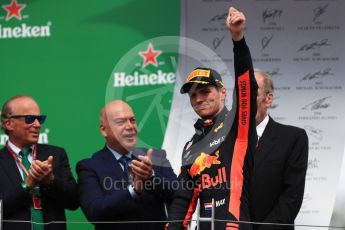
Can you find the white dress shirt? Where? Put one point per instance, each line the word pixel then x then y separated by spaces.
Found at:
pixel 16 150
pixel 261 127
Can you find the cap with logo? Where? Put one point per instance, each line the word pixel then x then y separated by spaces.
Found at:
pixel 204 76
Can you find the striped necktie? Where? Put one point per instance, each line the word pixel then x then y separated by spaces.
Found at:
pixel 36 215
pixel 126 161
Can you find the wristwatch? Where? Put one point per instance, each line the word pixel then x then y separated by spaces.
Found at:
pixel 33 191
pixel 26 187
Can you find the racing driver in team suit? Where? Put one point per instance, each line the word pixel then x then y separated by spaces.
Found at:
pixel 218 160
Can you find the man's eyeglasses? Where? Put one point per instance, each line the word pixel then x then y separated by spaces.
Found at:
pixel 29 119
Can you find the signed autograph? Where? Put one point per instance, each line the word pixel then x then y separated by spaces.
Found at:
pixel 271 14
pixel 274 72
pixel 313 164
pixel 217 41
pixel 318 11
pixel 314 45
pixel 317 75
pixel 318 104
pixel 217 18
pixel 265 41
pixel 314 132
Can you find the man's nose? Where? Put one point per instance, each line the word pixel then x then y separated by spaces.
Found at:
pixel 129 124
pixel 199 97
pixel 36 123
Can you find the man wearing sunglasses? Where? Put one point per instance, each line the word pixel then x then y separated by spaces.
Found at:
pixel 36 182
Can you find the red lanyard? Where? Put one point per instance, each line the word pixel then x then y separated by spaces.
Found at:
pixel 19 162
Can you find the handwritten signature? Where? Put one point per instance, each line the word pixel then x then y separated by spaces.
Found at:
pixel 315 45
pixel 318 11
pixel 265 41
pixel 313 163
pixel 316 133
pixel 318 104
pixel 271 14
pixel 317 75
pixel 219 17
pixel 217 41
pixel 274 72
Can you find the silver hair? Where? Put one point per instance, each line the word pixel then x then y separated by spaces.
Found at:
pixel 268 82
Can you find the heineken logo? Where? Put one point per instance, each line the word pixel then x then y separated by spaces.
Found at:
pixel 148 68
pixel 145 78
pixel 13 13
pixel 150 55
pixel 136 79
pixel 42 139
pixel 25 31
pixel 14 10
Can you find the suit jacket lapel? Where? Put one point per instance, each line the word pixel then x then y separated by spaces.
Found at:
pixel 10 167
pixel 109 162
pixel 40 154
pixel 266 143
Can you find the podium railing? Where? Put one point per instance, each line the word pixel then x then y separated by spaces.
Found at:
pixel 197 221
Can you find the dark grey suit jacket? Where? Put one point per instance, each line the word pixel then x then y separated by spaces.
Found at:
pixel 280 165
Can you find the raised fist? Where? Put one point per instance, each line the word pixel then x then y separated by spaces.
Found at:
pixel 236 23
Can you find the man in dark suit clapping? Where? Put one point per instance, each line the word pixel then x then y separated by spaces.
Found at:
pixel 36 181
pixel 121 183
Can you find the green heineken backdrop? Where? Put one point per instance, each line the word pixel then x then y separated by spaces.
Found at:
pixel 74 56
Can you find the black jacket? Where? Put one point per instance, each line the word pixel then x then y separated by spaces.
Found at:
pixel 280 165
pixel 60 195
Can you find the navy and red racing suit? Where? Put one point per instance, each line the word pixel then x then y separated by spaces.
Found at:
pixel 217 162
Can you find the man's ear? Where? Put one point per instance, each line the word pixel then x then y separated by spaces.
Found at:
pixel 223 93
pixel 7 125
pixel 102 128
pixel 269 99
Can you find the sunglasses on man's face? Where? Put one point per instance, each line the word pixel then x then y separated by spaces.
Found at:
pixel 29 119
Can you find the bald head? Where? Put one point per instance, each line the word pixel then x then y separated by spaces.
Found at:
pixel 15 103
pixel 118 126
pixel 114 108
